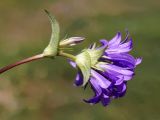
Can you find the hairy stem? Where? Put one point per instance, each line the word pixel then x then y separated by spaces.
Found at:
pixel 33 58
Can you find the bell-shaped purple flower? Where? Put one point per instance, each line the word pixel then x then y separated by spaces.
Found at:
pixel 110 70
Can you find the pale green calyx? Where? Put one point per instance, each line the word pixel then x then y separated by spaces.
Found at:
pixel 52 49
pixel 95 54
pixel 87 60
pixel 83 61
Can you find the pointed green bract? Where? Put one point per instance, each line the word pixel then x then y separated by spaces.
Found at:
pixel 52 49
pixel 84 63
pixel 95 54
pixel 87 59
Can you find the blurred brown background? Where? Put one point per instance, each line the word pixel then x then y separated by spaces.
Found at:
pixel 44 90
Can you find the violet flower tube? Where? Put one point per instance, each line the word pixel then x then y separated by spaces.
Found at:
pixel 112 70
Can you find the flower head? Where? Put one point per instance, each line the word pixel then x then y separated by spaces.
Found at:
pixel 106 68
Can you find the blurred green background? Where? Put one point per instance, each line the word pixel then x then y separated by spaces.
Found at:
pixel 44 90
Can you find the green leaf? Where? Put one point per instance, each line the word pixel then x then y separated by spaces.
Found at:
pixel 84 63
pixel 52 49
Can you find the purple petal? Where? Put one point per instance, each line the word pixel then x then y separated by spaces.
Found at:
pixel 121 87
pixel 120 80
pixel 117 70
pixel 104 44
pixel 138 61
pixel 126 38
pixel 101 80
pixel 121 91
pixel 73 64
pixel 129 77
pixel 79 79
pixel 93 100
pixel 114 79
pixel 97 90
pixel 126 47
pixel 111 77
pixel 116 74
pixel 105 100
pixel 122 60
pixel 121 48
pixel 116 46
pixel 115 41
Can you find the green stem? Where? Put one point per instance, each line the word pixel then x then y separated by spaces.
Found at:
pixel 33 58
pixel 67 55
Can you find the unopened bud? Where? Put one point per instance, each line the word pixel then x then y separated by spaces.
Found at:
pixel 71 41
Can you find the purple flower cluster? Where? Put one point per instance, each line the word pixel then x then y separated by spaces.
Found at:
pixel 109 76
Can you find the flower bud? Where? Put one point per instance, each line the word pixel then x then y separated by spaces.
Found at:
pixel 71 41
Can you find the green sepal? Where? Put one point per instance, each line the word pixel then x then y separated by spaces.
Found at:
pixel 83 62
pixel 95 54
pixel 52 49
pixel 87 59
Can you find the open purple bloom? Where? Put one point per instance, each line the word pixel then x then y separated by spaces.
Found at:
pixel 110 73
